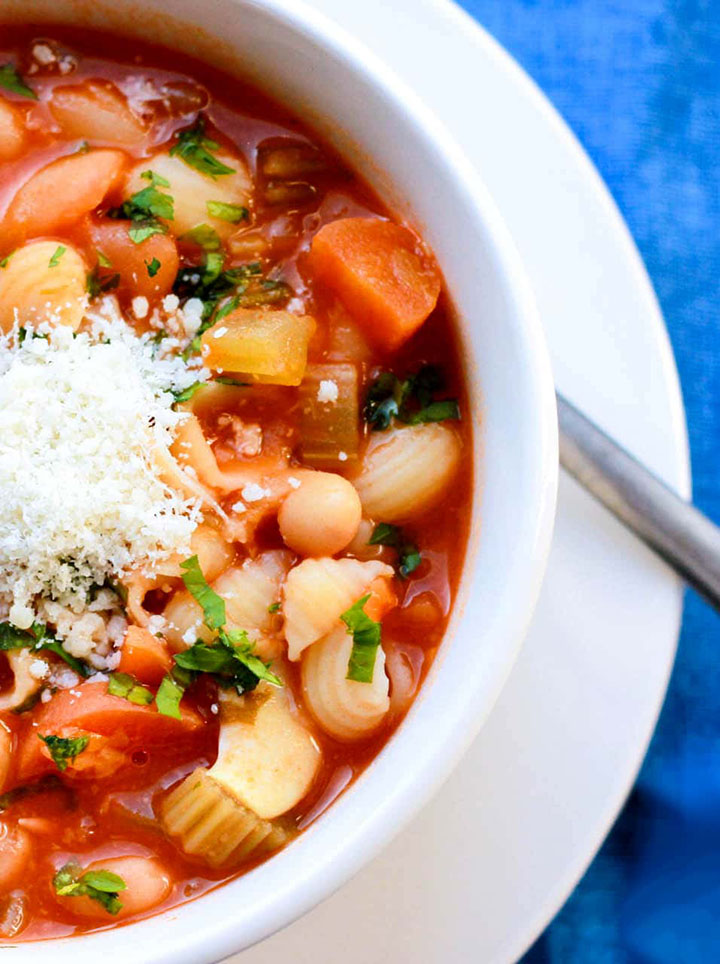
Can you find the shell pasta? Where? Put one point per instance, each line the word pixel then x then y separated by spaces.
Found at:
pixel 235 478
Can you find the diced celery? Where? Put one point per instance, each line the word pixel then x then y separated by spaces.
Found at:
pixel 330 428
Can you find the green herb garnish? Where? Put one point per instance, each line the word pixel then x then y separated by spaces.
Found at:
pixel 234 213
pixel 409 400
pixel 145 208
pixel 187 393
pixel 38 638
pixel 409 557
pixel 100 885
pixel 213 606
pixel 55 260
pixel 126 686
pixel 11 80
pixel 204 237
pixel 97 284
pixel 153 267
pixel 103 259
pixel 64 750
pixel 366 636
pixel 169 695
pixel 195 149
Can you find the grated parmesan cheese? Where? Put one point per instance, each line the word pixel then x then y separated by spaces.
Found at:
pixel 327 391
pixel 83 420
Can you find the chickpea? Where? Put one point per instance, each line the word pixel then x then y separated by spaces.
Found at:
pixel 321 516
pixel 15 851
pixel 148 883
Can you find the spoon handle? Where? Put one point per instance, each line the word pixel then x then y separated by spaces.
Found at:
pixel 684 537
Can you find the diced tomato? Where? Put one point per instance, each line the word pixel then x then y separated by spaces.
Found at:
pixel 144 656
pixel 382 598
pixel 147 269
pixel 381 274
pixel 117 728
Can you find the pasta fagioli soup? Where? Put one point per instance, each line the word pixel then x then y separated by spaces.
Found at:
pixel 235 478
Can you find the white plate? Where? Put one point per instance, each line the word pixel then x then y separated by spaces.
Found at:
pixel 486 866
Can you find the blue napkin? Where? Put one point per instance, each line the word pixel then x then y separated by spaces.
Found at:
pixel 639 82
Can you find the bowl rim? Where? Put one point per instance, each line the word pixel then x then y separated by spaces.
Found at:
pixel 219 937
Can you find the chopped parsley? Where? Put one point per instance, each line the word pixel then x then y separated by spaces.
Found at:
pixel 409 557
pixel 146 207
pixel 98 284
pixel 234 213
pixel 100 885
pixel 410 400
pixel 204 237
pixel 64 750
pixel 55 260
pixel 366 636
pixel 103 259
pixel 126 686
pixel 274 608
pixel 11 80
pixel 153 267
pixel 196 150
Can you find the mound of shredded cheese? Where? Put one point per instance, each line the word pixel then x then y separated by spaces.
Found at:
pixel 82 420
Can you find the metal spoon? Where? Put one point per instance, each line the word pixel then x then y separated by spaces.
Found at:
pixel 685 538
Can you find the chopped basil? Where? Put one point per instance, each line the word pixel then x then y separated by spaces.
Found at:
pixel 366 636
pixel 38 638
pixel 234 213
pixel 195 149
pixel 226 309
pixel 409 557
pixel 235 382
pixel 213 606
pixel 102 886
pixel 153 267
pixel 155 179
pixel 229 659
pixel 274 608
pixel 55 260
pixel 168 696
pixel 11 80
pixel 6 260
pixel 103 259
pixel 64 750
pixel 126 686
pixel 187 393
pixel 204 237
pixel 409 400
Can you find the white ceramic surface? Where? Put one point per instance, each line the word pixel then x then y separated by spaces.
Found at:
pixel 477 876
pixel 308 61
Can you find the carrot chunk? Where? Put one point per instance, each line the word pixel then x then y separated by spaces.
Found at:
pixel 381 274
pixel 144 656
pixel 382 599
pixel 146 269
pixel 61 193
pixel 114 726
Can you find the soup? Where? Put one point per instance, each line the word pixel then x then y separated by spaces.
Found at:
pixel 234 478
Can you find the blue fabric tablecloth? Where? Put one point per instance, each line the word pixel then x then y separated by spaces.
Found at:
pixel 639 82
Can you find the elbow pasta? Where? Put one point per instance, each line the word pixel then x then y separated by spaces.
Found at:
pixel 230 544
pixel 344 708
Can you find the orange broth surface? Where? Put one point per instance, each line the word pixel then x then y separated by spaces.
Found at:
pixel 84 819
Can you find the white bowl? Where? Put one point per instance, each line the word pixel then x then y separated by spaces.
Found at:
pixel 386 133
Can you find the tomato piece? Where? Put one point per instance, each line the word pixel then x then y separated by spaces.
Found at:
pixel 144 656
pixel 117 728
pixel 147 269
